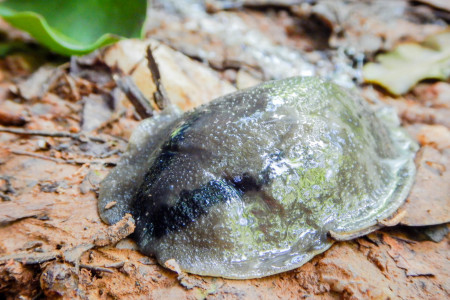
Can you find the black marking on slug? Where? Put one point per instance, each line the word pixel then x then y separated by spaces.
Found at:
pixel 245 183
pixel 159 219
pixel 162 219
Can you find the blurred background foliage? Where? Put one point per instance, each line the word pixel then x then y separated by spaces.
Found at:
pixel 70 27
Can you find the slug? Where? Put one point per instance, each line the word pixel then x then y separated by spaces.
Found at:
pixel 252 183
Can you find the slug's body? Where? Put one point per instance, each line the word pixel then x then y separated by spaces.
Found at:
pixel 250 184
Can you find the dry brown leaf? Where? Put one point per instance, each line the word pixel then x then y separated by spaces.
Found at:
pixel 188 83
pixel 429 200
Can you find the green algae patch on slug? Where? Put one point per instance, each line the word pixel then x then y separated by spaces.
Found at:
pixel 252 183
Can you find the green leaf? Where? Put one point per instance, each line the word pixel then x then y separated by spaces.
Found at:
pixel 401 69
pixel 76 26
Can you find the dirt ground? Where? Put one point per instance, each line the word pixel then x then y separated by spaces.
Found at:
pixel 65 123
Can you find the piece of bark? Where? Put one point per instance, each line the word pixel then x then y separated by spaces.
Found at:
pixel 39 82
pixel 116 232
pixel 136 97
pixel 96 111
pixel 160 95
pixel 31 258
pixel 13 211
pixel 56 160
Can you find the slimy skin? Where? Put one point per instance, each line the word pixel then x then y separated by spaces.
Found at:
pixel 251 184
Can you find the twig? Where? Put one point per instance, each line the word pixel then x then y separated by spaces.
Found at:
pixel 77 136
pixel 115 265
pixel 147 261
pixel 161 97
pixel 31 258
pixel 394 220
pixel 345 236
pixel 134 94
pixel 408 241
pixel 96 268
pixel 56 160
pixel 109 153
pixel 62 161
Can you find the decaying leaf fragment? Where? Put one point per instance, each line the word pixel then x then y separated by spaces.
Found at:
pixel 399 70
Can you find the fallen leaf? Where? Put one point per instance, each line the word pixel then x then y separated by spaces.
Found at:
pixel 38 83
pixel 422 206
pixel 399 70
pixel 188 83
pixel 96 111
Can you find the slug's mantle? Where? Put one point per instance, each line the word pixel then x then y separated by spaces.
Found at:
pixel 251 184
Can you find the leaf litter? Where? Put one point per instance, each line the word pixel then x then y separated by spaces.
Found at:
pixel 393 71
pixel 63 222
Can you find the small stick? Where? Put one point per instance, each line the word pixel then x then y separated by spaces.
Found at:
pixel 116 265
pixel 147 261
pixel 61 161
pixel 76 136
pixel 161 97
pixel 403 240
pixel 56 160
pixel 394 220
pixel 134 94
pixel 109 153
pixel 96 268
pixel 345 236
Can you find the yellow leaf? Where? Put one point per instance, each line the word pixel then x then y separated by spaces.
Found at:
pixel 400 69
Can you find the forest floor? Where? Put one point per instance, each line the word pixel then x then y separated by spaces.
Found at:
pixel 65 125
